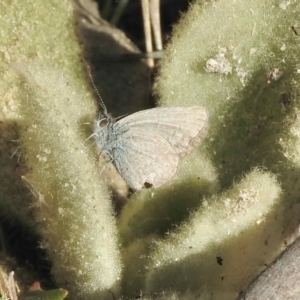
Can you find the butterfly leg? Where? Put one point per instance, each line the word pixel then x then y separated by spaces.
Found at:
pixel 109 160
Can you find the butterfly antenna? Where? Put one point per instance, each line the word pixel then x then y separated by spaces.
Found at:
pixel 98 94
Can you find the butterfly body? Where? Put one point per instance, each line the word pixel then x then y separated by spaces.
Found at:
pixel 146 146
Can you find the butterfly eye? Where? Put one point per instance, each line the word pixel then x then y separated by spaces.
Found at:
pixel 103 123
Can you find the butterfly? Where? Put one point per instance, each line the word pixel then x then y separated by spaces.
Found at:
pixel 146 146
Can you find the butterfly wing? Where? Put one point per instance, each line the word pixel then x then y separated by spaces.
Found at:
pixel 150 143
pixel 182 127
pixel 145 158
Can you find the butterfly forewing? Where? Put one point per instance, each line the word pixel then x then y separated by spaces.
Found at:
pixel 182 127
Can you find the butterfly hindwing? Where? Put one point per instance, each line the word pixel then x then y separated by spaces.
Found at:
pixel 138 160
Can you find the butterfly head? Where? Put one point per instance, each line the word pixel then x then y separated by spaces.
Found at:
pixel 102 126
